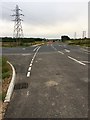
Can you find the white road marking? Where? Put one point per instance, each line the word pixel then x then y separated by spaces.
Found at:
pixel 30 64
pixel 32 59
pixel 53 47
pixel 67 50
pixel 85 51
pixel 28 74
pixel 17 54
pixel 26 54
pixel 35 48
pixel 29 69
pixel 76 60
pixel 27 93
pixel 86 62
pixel 64 45
pixel 23 48
pixel 61 52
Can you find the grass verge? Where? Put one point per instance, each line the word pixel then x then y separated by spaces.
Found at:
pixel 6 77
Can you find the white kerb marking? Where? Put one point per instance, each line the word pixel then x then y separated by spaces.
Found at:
pixel 28 74
pixel 67 50
pixel 76 60
pixel 61 52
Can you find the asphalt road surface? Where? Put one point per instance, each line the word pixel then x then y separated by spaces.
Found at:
pixel 51 81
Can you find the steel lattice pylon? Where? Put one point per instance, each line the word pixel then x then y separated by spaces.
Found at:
pixel 18 31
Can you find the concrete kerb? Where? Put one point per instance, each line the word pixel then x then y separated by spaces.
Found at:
pixel 11 85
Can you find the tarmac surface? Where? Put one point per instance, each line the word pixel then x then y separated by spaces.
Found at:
pixel 51 81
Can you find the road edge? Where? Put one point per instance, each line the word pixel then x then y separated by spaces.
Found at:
pixel 11 85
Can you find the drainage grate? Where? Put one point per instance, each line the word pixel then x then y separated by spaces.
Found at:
pixel 21 86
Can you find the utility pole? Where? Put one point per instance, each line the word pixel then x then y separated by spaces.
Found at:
pixel 75 34
pixel 18 31
pixel 89 19
pixel 84 34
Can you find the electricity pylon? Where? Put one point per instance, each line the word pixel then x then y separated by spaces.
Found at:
pixel 18 31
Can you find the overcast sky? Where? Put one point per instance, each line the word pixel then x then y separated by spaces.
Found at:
pixel 49 19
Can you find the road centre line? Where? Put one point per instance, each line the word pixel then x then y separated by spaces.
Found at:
pixel 53 47
pixel 27 93
pixel 60 45
pixel 31 62
pixel 35 48
pixel 28 74
pixel 86 62
pixel 23 48
pixel 76 60
pixel 29 69
pixel 67 50
pixel 30 66
pixel 61 52
pixel 58 51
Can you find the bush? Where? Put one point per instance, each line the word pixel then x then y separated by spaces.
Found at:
pixel 5 75
pixel 5 69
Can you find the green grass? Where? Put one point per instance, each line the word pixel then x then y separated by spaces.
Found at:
pixel 6 73
pixel 0 69
pixel 22 44
pixel 81 42
pixel 5 69
pixel 2 96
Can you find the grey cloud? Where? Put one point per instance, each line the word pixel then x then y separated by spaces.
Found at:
pixel 45 13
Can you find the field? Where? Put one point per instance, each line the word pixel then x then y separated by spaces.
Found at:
pixel 81 42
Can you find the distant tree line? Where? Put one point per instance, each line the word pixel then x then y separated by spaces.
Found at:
pixel 65 38
pixel 10 39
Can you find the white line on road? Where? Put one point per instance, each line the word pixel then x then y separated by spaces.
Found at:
pixel 31 62
pixel 53 47
pixel 60 45
pixel 76 60
pixel 30 66
pixel 35 48
pixel 23 48
pixel 61 52
pixel 67 50
pixel 28 74
pixel 86 62
pixel 29 69
pixel 26 54
pixel 27 93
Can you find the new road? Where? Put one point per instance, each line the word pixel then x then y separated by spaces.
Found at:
pixel 51 81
